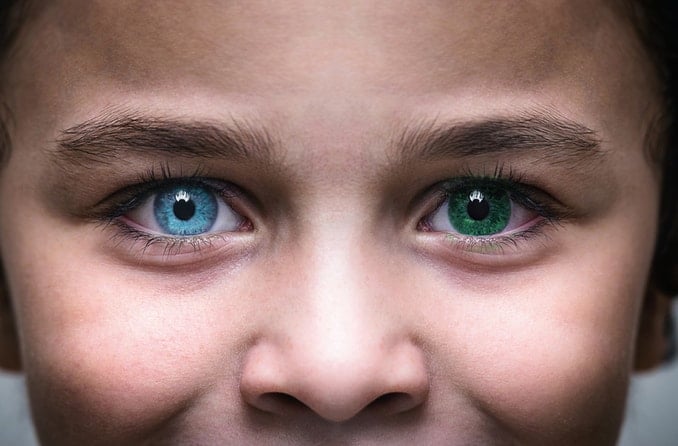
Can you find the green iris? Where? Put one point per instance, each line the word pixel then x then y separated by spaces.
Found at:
pixel 478 211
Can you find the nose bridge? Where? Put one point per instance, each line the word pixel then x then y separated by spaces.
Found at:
pixel 338 288
pixel 341 326
pixel 340 351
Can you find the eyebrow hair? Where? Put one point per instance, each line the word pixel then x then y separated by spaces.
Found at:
pixel 554 140
pixel 115 136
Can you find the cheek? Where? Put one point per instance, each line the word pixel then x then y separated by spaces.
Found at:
pixel 551 375
pixel 547 353
pixel 537 367
pixel 115 359
pixel 112 352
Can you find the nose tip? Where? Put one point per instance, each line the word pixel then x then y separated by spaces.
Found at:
pixel 334 389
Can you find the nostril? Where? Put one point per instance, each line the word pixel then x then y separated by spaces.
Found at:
pixel 285 398
pixel 284 403
pixel 326 384
pixel 392 403
pixel 280 402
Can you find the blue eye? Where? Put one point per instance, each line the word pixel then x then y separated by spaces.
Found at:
pixel 184 210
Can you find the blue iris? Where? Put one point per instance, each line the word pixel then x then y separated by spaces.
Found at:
pixel 185 210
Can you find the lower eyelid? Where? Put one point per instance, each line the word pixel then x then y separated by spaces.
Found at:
pixel 141 248
pixel 489 254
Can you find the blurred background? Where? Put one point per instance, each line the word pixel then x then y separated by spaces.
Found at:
pixel 651 416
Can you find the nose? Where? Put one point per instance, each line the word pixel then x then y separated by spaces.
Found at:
pixel 336 384
pixel 338 350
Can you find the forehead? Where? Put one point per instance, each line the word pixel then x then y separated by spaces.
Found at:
pixel 481 53
pixel 129 39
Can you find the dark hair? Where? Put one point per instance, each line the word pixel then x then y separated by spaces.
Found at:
pixel 8 23
pixel 656 23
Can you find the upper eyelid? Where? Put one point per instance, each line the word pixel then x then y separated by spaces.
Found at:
pixel 130 197
pixel 517 187
pixel 515 190
pixel 524 194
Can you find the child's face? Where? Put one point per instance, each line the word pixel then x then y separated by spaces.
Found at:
pixel 392 222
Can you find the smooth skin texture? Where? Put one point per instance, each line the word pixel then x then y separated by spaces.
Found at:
pixel 336 314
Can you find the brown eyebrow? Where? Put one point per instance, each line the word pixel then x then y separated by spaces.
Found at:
pixel 553 140
pixel 111 137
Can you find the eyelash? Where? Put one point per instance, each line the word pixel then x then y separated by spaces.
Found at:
pixel 130 198
pixel 550 210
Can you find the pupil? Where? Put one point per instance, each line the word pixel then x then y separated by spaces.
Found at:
pixel 478 209
pixel 184 209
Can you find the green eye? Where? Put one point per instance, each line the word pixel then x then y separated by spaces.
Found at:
pixel 479 210
pixel 483 209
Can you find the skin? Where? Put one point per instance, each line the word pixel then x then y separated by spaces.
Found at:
pixel 335 317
